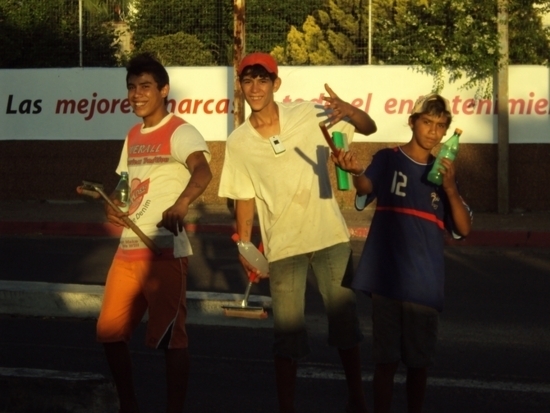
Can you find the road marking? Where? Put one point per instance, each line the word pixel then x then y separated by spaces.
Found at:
pixel 50 374
pixel 320 373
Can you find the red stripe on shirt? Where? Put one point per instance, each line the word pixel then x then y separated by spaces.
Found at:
pixel 424 215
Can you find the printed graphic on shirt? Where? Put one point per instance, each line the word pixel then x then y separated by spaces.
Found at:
pixel 138 190
pixel 399 184
pixel 435 200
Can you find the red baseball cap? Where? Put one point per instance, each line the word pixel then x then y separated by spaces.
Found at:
pixel 262 59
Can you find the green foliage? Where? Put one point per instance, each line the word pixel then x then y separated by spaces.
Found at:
pixel 202 19
pixel 529 41
pixel 108 10
pixel 333 35
pixel 449 39
pixel 211 21
pixel 45 33
pixel 459 36
pixel 268 23
pixel 178 49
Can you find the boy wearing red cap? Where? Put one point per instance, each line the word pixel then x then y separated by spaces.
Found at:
pixel 401 266
pixel 276 163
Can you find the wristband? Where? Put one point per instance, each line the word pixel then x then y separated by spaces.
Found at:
pixel 359 174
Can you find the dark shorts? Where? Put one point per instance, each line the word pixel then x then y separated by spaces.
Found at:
pixel 403 331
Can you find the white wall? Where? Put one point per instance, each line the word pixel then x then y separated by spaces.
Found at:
pixel 33 101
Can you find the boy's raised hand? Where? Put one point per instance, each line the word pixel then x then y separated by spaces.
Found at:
pixel 339 108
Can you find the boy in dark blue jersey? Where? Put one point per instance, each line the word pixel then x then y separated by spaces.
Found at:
pixel 402 265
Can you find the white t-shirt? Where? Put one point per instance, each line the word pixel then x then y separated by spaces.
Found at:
pixel 155 159
pixel 294 198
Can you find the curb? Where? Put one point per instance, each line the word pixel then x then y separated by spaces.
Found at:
pixel 42 299
pixel 492 238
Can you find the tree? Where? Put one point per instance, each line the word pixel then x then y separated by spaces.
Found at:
pixel 459 36
pixel 45 33
pixel 109 10
pixel 529 40
pixel 211 21
pixel 333 35
pixel 454 38
pixel 178 49
pixel 267 23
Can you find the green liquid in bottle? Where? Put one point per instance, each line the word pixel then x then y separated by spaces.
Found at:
pixel 449 150
pixel 342 177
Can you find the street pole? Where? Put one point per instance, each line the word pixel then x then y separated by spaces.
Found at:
pixel 370 32
pixel 80 33
pixel 238 53
pixel 503 111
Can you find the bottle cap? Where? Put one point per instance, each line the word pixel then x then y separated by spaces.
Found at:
pixel 458 131
pixel 235 237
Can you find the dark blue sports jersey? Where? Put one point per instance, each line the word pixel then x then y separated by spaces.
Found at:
pixel 403 255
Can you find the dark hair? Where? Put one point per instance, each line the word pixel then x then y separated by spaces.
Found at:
pixel 255 71
pixel 147 63
pixel 434 107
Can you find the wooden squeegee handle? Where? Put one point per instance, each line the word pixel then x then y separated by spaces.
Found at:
pixel 146 240
pixel 328 138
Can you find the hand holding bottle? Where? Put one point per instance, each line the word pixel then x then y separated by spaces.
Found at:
pixel 449 150
pixel 448 179
pixel 252 259
pixel 122 192
pixel 120 197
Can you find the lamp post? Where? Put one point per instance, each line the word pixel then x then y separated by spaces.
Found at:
pixel 79 33
pixel 370 33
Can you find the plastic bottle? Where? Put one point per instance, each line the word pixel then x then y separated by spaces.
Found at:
pixel 342 177
pixel 449 151
pixel 122 191
pixel 251 254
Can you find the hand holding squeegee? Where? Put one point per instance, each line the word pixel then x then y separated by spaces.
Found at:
pixel 256 258
pixel 93 188
pixel 328 138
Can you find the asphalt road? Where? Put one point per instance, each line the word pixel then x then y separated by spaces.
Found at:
pixel 493 354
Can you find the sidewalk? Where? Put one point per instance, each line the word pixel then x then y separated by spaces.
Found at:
pixel 81 218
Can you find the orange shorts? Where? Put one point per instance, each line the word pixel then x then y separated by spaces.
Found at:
pixel 134 287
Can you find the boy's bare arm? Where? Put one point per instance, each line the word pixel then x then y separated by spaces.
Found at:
pixel 461 215
pixel 172 218
pixel 244 217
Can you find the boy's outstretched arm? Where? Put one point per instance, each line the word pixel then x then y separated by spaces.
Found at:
pixel 347 161
pixel 461 215
pixel 360 119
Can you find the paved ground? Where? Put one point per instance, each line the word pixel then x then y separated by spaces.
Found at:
pixel 52 301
